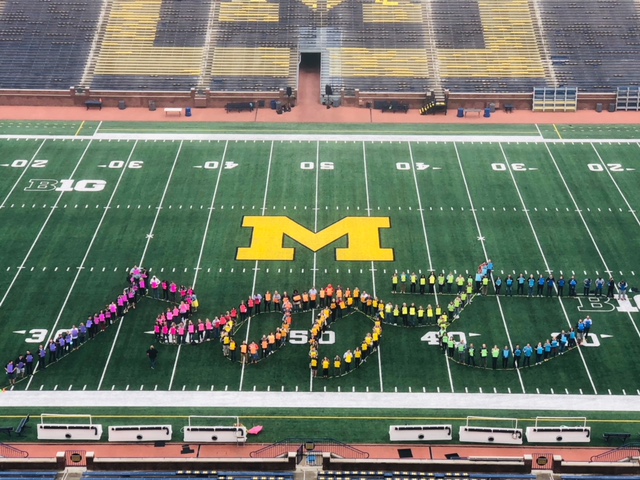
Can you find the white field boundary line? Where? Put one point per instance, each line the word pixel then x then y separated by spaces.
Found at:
pixel 288 137
pixel 484 250
pixel 373 268
pixel 24 170
pixel 86 255
pixel 267 137
pixel 144 252
pixel 202 244
pixel 426 242
pixel 255 268
pixel 92 400
pixel 315 254
pixel 544 259
pixel 46 221
pixel 308 137
pixel 584 221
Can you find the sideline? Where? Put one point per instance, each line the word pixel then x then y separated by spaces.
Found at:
pixel 329 137
pixel 315 400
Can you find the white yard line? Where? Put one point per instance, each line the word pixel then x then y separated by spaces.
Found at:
pixel 544 259
pixel 584 221
pixel 484 251
pixel 206 228
pixel 144 252
pixel 255 268
pixel 159 209
pixel 424 226
pixel 175 368
pixel 202 244
pixel 86 254
pixel 373 268
pixel 606 169
pixel 315 254
pixel 113 345
pixel 426 242
pixel 46 221
pixel 24 170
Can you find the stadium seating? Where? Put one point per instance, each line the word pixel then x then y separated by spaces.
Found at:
pixel 45 45
pixel 248 11
pixel 592 43
pixel 414 475
pixel 27 475
pixel 388 11
pixel 510 48
pixel 184 474
pixel 370 45
pixel 150 44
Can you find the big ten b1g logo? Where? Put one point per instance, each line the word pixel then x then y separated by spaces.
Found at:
pixel 70 185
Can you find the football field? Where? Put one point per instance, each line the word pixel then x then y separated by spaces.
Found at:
pixel 233 212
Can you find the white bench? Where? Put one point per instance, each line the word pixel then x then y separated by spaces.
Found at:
pixel 172 110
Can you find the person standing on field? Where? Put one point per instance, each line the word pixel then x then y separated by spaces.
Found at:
pixel 599 286
pixel 152 353
pixel 394 282
pixel 495 353
pixel 623 286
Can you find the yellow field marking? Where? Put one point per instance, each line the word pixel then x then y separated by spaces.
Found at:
pixel 363 235
pixel 557 131
pixel 79 128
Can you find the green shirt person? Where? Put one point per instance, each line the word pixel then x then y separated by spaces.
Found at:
pixel 495 353
pixel 471 355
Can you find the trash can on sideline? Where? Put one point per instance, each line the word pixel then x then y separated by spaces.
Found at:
pixel 460 112
pixel 273 104
pixel 487 112
pixel 187 112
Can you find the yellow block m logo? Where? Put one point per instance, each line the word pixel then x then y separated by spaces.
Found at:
pixel 363 234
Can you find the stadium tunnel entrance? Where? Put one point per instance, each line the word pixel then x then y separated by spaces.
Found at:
pixel 310 91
